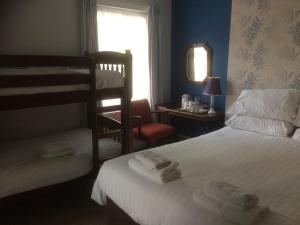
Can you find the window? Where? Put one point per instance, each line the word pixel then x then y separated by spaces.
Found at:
pixel 121 29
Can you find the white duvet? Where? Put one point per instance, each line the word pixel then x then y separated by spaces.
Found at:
pixel 265 165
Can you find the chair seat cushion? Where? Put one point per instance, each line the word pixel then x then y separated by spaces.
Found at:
pixel 154 132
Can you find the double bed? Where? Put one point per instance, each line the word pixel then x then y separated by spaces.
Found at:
pixel 268 166
pixel 265 165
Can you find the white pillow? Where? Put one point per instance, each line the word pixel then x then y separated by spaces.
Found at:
pixel 296 135
pixel 264 126
pixel 280 104
pixel 297 120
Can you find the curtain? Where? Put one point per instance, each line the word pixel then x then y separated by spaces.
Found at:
pixel 89 34
pixel 154 59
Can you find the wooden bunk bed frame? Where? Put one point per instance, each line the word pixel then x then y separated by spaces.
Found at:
pixel 122 63
pixel 105 60
pixel 15 102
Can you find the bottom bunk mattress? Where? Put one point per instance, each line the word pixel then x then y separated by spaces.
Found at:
pixel 264 165
pixel 23 169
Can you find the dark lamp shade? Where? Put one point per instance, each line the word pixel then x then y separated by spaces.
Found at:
pixel 212 86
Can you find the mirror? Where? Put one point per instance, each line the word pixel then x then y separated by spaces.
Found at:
pixel 198 63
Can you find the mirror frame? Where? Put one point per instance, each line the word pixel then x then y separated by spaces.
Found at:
pixel 209 62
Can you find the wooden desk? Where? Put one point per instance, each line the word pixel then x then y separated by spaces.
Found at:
pixel 204 119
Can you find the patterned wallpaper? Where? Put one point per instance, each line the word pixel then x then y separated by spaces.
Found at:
pixel 264 49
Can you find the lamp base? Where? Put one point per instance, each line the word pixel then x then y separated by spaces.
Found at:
pixel 211 110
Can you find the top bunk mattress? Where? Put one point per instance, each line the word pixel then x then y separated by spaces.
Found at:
pixel 104 79
pixel 264 165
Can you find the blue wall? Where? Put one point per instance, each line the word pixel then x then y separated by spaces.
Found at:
pixel 197 21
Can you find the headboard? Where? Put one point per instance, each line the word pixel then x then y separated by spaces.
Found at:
pixel 264 49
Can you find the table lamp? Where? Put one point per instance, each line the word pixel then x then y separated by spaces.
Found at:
pixel 212 88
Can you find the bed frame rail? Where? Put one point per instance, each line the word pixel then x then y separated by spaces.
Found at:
pixel 108 57
pixel 116 216
pixel 43 61
pixel 9 81
pixel 40 100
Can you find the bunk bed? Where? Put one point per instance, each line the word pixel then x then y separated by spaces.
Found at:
pixel 35 81
pixel 28 81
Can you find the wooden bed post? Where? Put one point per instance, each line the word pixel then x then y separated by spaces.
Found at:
pixel 126 124
pixel 92 114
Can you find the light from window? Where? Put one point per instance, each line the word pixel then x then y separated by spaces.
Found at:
pixel 121 29
pixel 111 102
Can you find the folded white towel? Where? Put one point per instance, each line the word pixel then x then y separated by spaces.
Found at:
pixel 56 146
pixel 48 155
pixel 222 191
pixel 205 201
pixel 247 217
pixel 166 170
pixel 154 175
pixel 231 213
pixel 152 160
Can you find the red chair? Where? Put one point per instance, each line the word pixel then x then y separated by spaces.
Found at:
pixel 144 127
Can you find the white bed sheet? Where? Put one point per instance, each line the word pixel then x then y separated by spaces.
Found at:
pixel 265 165
pixel 22 168
pixel 104 79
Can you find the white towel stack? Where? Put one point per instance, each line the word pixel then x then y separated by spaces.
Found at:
pixel 234 204
pixel 57 149
pixel 155 167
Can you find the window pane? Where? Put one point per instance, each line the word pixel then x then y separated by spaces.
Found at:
pixel 111 102
pixel 122 29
